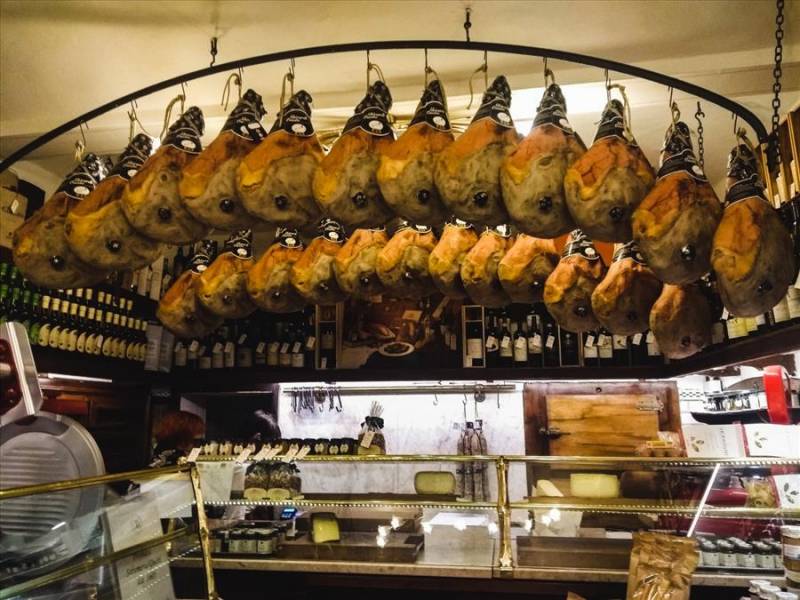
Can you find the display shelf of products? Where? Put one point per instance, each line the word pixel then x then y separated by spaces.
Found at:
pixel 651 507
pixel 363 501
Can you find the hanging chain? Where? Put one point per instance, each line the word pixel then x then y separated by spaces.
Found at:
pixel 467 22
pixel 698 115
pixel 777 73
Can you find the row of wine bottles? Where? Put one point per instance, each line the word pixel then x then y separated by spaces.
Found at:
pixel 85 320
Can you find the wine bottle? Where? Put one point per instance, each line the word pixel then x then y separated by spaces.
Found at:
pixel 475 353
pixel 204 358
pixel 107 348
pixel 619 345
pixel 217 349
pixel 63 333
pixel 638 347
pixel 551 349
pixel 591 357
pixel 492 344
pixel 245 336
pixel 535 342
pixel 286 338
pixel 229 349
pixel 570 354
pixel 605 348
pixel 654 356
pixel 521 345
pixel 506 350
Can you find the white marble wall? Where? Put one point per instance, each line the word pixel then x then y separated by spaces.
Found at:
pixel 414 424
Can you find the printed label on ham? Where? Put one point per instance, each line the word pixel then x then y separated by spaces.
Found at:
pixel 612 123
pixel 495 104
pixel 744 171
pixel 332 231
pixel 185 133
pixel 431 108
pixel 240 243
pixel 295 118
pixel 404 224
pixel 502 230
pixel 456 222
pixel 370 114
pixel 204 253
pixel 133 157
pixel 579 243
pixel 629 250
pixel 288 238
pixel 83 179
pixel 245 119
pixel 552 110
pixel 677 154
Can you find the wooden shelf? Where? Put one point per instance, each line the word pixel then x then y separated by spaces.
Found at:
pixel 259 379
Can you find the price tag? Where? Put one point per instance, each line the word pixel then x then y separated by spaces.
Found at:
pixel 602 339
pixel 261 454
pixel 291 454
pixel 724 317
pixel 303 452
pixel 366 441
pixel 260 347
pixel 216 348
pixel 311 342
pixel 491 342
pixel 243 455
pixel 229 348
pixel 297 347
pixel 520 343
pixel 537 341
pixel 194 454
pixel 620 342
pixel 273 452
pixel 323 363
pixel 550 341
pixel 589 341
pixel 650 337
pixel 242 339
pixel 284 347
pixel 505 342
pixel 178 346
pixel 274 347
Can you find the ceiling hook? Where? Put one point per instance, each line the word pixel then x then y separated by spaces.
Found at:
pixel 485 68
pixel 226 91
pixel 607 84
pixel 548 74
pixel 213 51
pixel 467 22
pixel 183 95
pixel 80 144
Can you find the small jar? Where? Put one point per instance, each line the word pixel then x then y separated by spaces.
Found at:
pixel 709 554
pixel 776 552
pixel 265 542
pixel 215 542
pixel 745 556
pixel 234 542
pixel 763 555
pixel 249 542
pixel 768 592
pixel 755 588
pixel 727 556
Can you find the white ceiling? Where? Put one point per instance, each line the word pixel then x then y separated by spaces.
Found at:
pixel 61 59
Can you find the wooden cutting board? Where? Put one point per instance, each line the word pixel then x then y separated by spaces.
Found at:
pixel 601 424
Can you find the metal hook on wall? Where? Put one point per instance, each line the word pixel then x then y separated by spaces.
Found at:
pixel 213 51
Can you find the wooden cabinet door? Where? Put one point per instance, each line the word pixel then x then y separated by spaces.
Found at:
pixel 600 425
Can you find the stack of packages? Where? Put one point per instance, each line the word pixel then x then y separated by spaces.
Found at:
pixel 661 567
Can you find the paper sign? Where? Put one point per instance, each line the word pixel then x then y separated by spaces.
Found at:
pixel 303 452
pixel 216 480
pixel 550 341
pixel 194 454
pixel 714 441
pixel 243 455
pixel 788 488
pixel 767 439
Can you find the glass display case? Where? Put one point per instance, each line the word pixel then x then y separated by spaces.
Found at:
pixel 111 536
pixel 567 518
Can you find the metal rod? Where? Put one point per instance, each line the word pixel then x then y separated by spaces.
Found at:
pixel 506 558
pixel 400 458
pixel 89 564
pixel 72 484
pixel 202 523
pixel 601 63
pixel 703 500
pixel 411 389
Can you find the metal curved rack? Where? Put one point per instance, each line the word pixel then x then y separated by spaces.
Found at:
pixel 746 115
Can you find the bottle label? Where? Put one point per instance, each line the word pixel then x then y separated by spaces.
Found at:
pixel 311 342
pixel 44 335
pixel 552 110
pixel 589 343
pixel 579 243
pixel 284 348
pixel 245 118
pixel 474 349
pixel 370 114
pixel 620 342
pixel 240 243
pixel 260 348
pixel 505 342
pixel 133 157
pixel 185 133
pixel 637 339
pixel 520 350
pixel 491 343
pixel 551 340
pixel 85 177
pixel 295 116
pixel 298 360
pixel 431 108
pixel 677 154
pixel 495 104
